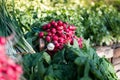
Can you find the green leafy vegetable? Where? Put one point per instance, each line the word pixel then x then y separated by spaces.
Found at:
pixel 68 64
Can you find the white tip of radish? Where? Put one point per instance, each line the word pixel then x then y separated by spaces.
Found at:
pixel 50 46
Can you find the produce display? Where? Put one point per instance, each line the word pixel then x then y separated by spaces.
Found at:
pixel 64 56
pixel 56 42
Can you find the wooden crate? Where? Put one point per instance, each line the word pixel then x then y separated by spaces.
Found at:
pixel 116 61
pixel 113 55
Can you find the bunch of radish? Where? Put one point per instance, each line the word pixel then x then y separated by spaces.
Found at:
pixel 9 70
pixel 57 34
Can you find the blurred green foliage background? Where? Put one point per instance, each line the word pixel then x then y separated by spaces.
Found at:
pixel 97 20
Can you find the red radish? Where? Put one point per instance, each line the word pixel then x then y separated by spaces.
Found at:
pixel 70 33
pixel 53 34
pixel 2 40
pixel 61 46
pixel 60 32
pixel 55 24
pixel 68 36
pixel 60 23
pixel 64 36
pixel 49 34
pixel 57 45
pixel 61 35
pixel 48 39
pixel 60 28
pixel 73 32
pixel 55 38
pixel 53 30
pixel 48 26
pixel 52 22
pixel 55 42
pixel 41 34
pixel 73 28
pixel 61 40
pixel 66 30
pixel 48 30
pixel 64 26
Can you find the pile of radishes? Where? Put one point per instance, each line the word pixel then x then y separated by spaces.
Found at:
pixel 9 70
pixel 57 34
